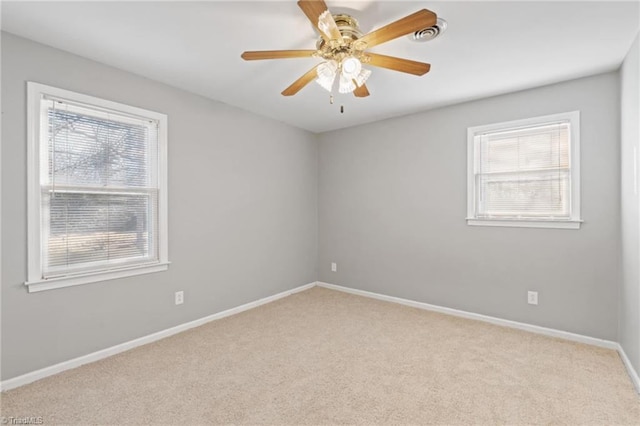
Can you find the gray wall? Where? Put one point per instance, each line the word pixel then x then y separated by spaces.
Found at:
pixel 630 138
pixel 242 215
pixel 392 205
pixel 248 197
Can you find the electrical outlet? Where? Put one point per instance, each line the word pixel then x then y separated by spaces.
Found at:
pixel 334 267
pixel 532 297
pixel 179 297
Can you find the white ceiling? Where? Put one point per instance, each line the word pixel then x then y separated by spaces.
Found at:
pixel 489 48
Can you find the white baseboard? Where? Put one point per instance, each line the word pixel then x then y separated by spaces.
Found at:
pixel 485 318
pixel 632 371
pixel 113 350
pixel 104 353
pixel 633 374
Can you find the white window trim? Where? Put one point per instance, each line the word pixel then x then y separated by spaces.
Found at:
pixel 574 145
pixel 35 282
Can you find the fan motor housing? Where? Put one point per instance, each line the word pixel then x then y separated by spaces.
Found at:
pixel 348 27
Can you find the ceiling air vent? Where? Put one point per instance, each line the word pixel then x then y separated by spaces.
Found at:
pixel 431 32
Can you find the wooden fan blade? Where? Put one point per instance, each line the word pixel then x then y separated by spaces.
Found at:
pixel 276 54
pixel 361 92
pixel 398 64
pixel 418 21
pixel 314 9
pixel 301 82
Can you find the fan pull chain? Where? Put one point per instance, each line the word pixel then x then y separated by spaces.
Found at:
pixel 331 99
pixel 341 109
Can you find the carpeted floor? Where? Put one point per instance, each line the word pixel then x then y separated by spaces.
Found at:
pixel 326 357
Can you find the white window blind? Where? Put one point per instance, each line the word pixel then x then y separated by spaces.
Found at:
pixel 100 188
pixel 523 171
pixel 99 192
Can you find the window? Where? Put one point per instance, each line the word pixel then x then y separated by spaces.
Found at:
pixel 97 189
pixel 525 173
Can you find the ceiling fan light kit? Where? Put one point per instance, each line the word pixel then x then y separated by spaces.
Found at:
pixel 344 49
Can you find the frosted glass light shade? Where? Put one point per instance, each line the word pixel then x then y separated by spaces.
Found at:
pixel 346 84
pixel 327 69
pixel 327 74
pixel 362 77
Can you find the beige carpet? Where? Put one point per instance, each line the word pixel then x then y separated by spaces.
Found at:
pixel 325 357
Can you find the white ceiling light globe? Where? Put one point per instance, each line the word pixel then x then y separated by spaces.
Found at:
pixel 351 67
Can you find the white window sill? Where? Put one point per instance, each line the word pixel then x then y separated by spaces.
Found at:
pixel 526 223
pixel 68 281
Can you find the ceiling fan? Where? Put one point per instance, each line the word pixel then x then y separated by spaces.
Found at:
pixel 344 49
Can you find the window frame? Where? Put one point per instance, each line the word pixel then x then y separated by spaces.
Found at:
pixel 36 138
pixel 575 219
